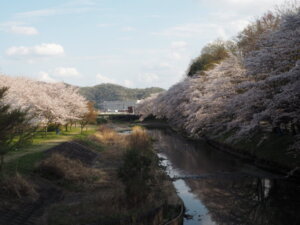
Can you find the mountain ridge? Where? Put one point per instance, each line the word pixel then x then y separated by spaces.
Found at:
pixel 114 92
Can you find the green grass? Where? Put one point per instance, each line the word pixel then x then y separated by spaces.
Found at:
pixel 24 164
pixel 24 159
pixel 40 137
pixel 83 138
pixel 91 144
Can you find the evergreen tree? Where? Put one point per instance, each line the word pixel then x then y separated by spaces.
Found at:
pixel 15 128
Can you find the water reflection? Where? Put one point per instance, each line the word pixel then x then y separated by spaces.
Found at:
pixel 230 200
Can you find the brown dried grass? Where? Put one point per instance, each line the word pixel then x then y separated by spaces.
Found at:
pixel 18 186
pixel 58 166
pixel 139 139
pixel 108 136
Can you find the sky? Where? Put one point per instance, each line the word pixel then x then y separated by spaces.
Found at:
pixel 132 43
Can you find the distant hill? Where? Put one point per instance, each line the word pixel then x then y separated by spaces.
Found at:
pixel 113 92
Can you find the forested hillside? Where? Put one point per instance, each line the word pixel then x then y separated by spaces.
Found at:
pixel 112 92
pixel 244 92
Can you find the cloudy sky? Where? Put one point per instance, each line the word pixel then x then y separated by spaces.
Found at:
pixel 132 43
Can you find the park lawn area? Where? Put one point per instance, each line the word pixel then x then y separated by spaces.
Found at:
pixel 23 160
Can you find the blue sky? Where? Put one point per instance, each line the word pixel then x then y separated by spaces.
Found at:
pixel 132 43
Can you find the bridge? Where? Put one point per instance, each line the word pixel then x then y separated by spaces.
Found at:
pixel 123 116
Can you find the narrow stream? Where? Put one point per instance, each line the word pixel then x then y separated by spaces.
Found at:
pixel 223 195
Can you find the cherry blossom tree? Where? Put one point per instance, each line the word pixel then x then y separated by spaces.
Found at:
pixel 199 104
pixel 241 93
pixel 47 103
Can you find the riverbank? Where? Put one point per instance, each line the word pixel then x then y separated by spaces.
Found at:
pixel 270 155
pixel 263 159
pixel 218 188
pixel 78 182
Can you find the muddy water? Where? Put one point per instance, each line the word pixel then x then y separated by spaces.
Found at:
pixel 227 192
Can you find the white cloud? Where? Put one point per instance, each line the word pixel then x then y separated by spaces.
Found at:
pixel 154 16
pixel 225 19
pixel 250 4
pixel 148 77
pixel 178 44
pixel 38 13
pixel 25 30
pixel 128 83
pixel 243 7
pixel 103 79
pixel 103 25
pixel 66 72
pixel 43 76
pixel 218 27
pixel 239 24
pixel 128 29
pixel 21 50
pixel 186 30
pixel 46 49
pixel 64 9
pixel 175 56
pixel 165 65
pixel 16 27
pixel 124 38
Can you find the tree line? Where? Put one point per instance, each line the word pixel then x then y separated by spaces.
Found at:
pixel 27 105
pixel 238 88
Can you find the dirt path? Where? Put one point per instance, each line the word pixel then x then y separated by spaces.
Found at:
pixel 29 212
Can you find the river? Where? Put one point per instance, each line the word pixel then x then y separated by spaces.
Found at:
pixel 218 189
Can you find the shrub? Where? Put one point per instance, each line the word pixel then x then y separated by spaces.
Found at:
pixel 137 171
pixel 139 139
pixel 211 54
pixel 15 126
pixel 108 136
pixel 101 120
pixel 248 39
pixel 58 166
pixel 18 186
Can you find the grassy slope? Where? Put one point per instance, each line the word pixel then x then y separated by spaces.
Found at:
pixel 274 148
pixel 23 160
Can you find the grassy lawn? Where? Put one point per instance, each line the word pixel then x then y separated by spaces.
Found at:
pixel 23 160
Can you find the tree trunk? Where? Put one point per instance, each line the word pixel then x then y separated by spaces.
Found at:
pixel 1 162
pixel 46 130
pixel 294 132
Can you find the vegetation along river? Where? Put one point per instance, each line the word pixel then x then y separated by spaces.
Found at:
pixel 217 188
